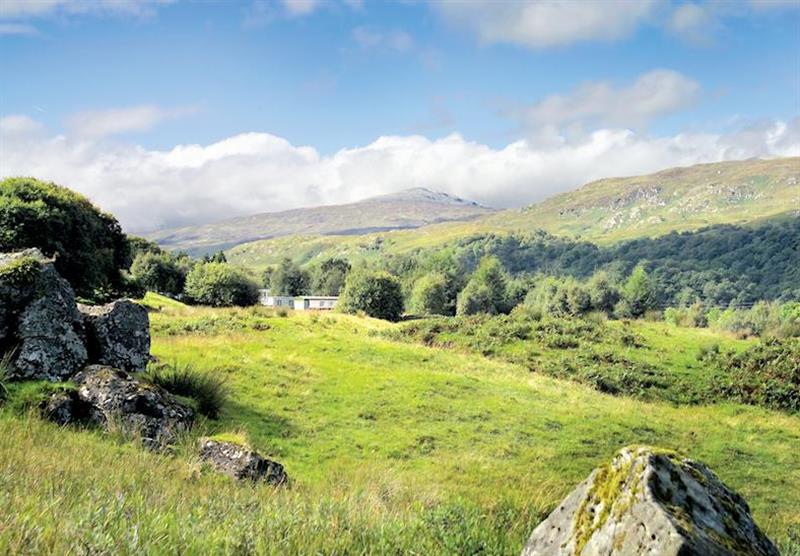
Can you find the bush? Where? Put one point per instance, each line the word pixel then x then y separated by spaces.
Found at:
pixel 208 390
pixel 159 272
pixel 475 299
pixel 638 294
pixel 486 291
pixel 330 276
pixel 378 294
pixel 89 245
pixel 220 285
pixel 289 279
pixel 430 296
pixel 767 374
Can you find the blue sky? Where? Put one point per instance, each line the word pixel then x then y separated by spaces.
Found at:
pixel 284 103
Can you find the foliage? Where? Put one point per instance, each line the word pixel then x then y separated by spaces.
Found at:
pixel 767 374
pixel 378 294
pixel 638 294
pixel 430 295
pixel 218 257
pixel 220 285
pixel 289 279
pixel 89 245
pixel 161 272
pixel 329 277
pixel 207 388
pixel 486 290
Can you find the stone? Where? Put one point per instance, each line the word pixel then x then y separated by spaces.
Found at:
pixel 48 334
pixel 650 501
pixel 138 407
pixel 17 284
pixel 240 462
pixel 65 407
pixel 118 334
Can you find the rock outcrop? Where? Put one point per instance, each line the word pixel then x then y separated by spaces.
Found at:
pixel 649 501
pixel 118 334
pixel 136 406
pixel 40 318
pixel 49 337
pixel 241 462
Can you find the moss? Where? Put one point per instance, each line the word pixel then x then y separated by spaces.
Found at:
pixel 20 272
pixel 239 438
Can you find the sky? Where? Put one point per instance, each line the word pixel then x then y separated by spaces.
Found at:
pixel 170 112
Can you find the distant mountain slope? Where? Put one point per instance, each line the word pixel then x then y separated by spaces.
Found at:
pixel 604 211
pixel 677 199
pixel 408 209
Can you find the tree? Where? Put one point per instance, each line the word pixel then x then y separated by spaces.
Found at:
pixel 378 294
pixel 88 245
pixel 603 293
pixel 218 257
pixel 159 272
pixel 475 298
pixel 430 295
pixel 220 285
pixel 638 293
pixel 289 279
pixel 330 276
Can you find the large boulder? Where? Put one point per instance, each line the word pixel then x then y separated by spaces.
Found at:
pixel 118 334
pixel 649 501
pixel 39 319
pixel 138 407
pixel 240 462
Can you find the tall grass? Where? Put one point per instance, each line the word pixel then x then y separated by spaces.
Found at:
pixel 207 389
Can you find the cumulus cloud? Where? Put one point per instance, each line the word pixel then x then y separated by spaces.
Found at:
pixel 257 172
pixel 102 123
pixel 546 23
pixel 693 22
pixel 373 38
pixel 300 7
pixel 653 94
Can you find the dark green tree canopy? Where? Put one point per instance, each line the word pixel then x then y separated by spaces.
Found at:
pixel 220 285
pixel 329 277
pixel 378 294
pixel 289 279
pixel 89 245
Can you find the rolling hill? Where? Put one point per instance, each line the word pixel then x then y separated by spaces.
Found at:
pixel 604 211
pixel 407 209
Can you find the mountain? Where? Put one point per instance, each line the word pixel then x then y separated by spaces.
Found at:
pixel 676 199
pixel 604 211
pixel 407 209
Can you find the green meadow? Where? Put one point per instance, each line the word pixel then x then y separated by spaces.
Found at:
pixel 392 446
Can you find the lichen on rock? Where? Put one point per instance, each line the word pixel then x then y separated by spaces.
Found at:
pixel 241 462
pixel 650 501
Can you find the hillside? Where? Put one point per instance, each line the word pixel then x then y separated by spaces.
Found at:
pixel 605 211
pixel 408 209
pixel 392 447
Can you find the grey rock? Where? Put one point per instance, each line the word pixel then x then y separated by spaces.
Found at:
pixel 240 462
pixel 65 407
pixel 49 331
pixel 15 290
pixel 118 334
pixel 138 407
pixel 649 501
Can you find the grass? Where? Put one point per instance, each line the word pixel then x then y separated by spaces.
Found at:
pixel 391 447
pixel 207 389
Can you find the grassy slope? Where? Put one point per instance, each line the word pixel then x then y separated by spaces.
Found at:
pixel 392 448
pixel 603 211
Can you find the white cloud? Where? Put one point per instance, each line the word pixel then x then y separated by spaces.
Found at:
pixel 693 22
pixel 653 94
pixel 102 123
pixel 300 7
pixel 372 38
pixel 255 172
pixel 547 23
pixel 18 29
pixel 36 8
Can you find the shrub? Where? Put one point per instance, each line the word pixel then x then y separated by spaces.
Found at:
pixel 486 291
pixel 767 374
pixel 208 390
pixel 430 296
pixel 378 294
pixel 159 272
pixel 90 246
pixel 329 277
pixel 289 279
pixel 475 299
pixel 220 285
pixel 638 294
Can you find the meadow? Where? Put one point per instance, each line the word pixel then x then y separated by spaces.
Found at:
pixel 392 446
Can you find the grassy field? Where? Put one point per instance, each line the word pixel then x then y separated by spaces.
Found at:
pixel 392 447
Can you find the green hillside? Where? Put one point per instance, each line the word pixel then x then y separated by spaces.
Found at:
pixel 605 211
pixel 392 447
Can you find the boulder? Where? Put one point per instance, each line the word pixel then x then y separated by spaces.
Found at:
pixel 65 407
pixel 240 462
pixel 136 406
pixel 118 334
pixel 650 501
pixel 48 332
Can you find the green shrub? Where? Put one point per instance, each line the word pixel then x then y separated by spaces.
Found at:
pixel 766 374
pixel 208 390
pixel 289 279
pixel 220 285
pixel 378 294
pixel 430 296
pixel 159 272
pixel 90 244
